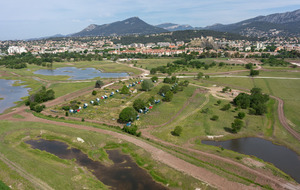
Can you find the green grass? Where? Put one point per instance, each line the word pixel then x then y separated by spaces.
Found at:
pixel 164 111
pixel 3 186
pixel 14 133
pixel 61 89
pixel 199 124
pixel 153 63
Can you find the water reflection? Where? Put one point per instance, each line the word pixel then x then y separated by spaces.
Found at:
pixel 10 94
pixel 123 174
pixel 282 157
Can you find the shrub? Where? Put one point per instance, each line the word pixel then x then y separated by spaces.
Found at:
pixel 82 119
pixel 164 89
pixel 94 92
pixel 124 90
pixel 168 97
pixel 237 125
pixel 219 102
pixel 214 118
pixel 177 131
pixel 99 84
pixel 132 130
pixel 226 107
pixel 241 115
pixel 139 104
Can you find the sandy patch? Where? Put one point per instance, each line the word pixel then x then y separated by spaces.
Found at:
pixel 252 162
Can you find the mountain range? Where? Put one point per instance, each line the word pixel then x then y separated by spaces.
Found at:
pixel 279 24
pixel 129 26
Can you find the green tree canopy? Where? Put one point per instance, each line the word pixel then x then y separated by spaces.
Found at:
pixel 127 114
pixel 147 85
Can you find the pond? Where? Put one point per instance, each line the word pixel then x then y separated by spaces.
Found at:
pixel 282 157
pixel 10 94
pixel 123 174
pixel 79 73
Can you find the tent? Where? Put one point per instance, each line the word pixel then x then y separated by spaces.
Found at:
pixel 97 99
pixel 85 105
pixel 92 102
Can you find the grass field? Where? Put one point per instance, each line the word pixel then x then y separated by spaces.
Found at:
pixel 13 147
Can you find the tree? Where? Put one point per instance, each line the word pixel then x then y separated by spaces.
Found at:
pixel 226 89
pixel 200 75
pixel 147 85
pixel 241 115
pixel 254 72
pixel 153 71
pixel 155 78
pixel 151 100
pixel 219 102
pixel 237 125
pixel 94 93
pixel 226 107
pixel 139 104
pixel 177 131
pixel 99 84
pixel 124 90
pixel 127 114
pixel 164 89
pixel 249 66
pixel 168 97
pixel 132 130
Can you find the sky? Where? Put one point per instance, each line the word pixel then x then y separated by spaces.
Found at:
pixel 20 19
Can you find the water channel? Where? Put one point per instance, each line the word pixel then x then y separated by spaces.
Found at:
pixel 123 174
pixel 79 73
pixel 282 157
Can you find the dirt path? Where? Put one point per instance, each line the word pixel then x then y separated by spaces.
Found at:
pixel 39 184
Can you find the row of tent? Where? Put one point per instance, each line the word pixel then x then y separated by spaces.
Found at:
pixel 85 105
pixel 145 111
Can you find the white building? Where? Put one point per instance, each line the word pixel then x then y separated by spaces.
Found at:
pixel 16 49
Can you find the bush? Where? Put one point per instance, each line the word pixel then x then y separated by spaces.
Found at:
pixel 164 89
pixel 139 104
pixel 219 102
pixel 99 84
pixel 155 78
pixel 131 130
pixel 241 115
pixel 200 75
pixel 127 114
pixel 82 119
pixel 249 66
pixel 237 125
pixel 206 110
pixel 151 100
pixel 67 114
pixel 124 90
pixel 214 118
pixel 94 93
pixel 226 107
pixel 168 97
pixel 254 72
pixel 177 131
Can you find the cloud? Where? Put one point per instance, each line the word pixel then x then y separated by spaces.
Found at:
pixel 78 13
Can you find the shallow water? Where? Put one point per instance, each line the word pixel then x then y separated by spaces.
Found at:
pixel 282 157
pixel 123 174
pixel 79 73
pixel 10 94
